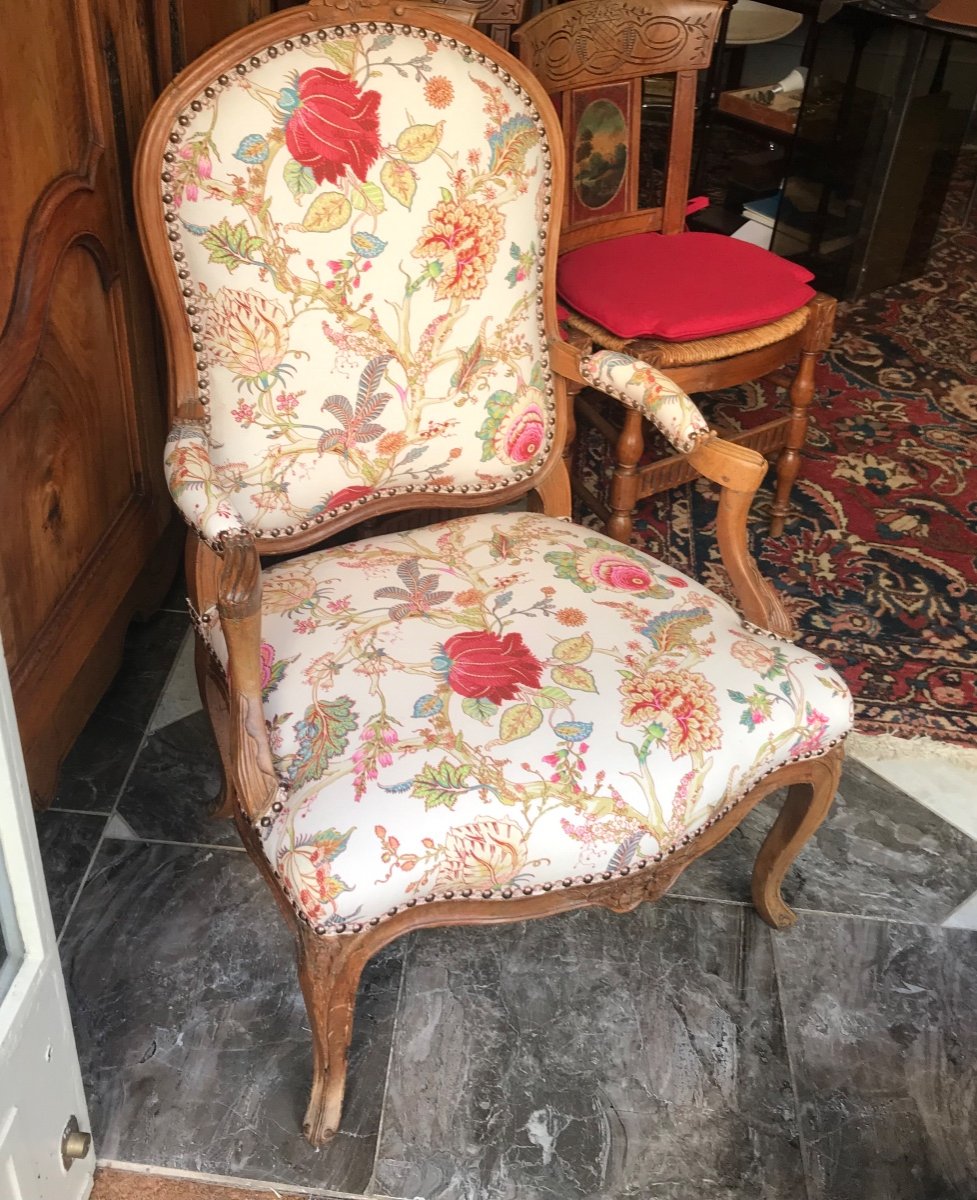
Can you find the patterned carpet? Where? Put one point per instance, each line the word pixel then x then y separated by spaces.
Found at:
pixel 879 562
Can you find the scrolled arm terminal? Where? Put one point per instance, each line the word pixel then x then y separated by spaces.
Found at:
pixel 203 500
pixel 645 389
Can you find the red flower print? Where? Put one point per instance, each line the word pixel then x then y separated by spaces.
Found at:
pixel 347 495
pixel 335 125
pixel 486 665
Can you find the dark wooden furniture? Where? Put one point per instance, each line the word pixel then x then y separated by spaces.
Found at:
pixel 578 46
pixel 890 93
pixel 81 371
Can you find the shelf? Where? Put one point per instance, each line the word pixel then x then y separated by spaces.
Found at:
pixel 779 112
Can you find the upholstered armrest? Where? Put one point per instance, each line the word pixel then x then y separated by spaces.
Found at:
pixel 651 393
pixel 203 500
pixel 737 470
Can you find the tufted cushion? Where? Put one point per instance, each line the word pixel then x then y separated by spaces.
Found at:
pixel 499 702
pixel 681 287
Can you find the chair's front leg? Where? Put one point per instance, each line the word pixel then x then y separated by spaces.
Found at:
pixel 624 482
pixel 806 806
pixel 789 459
pixel 817 338
pixel 329 971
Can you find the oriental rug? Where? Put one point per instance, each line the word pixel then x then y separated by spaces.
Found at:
pixel 878 561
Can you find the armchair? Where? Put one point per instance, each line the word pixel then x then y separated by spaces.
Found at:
pixel 711 311
pixel 350 214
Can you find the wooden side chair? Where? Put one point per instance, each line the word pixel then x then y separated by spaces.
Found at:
pixel 351 216
pixel 712 311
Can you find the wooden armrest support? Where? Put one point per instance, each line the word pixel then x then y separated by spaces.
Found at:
pixel 239 606
pixel 739 472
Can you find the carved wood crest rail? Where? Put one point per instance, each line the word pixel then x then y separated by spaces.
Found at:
pixel 630 40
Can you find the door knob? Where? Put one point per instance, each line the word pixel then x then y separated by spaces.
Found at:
pixel 75 1142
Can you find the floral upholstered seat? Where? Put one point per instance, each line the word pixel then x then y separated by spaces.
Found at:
pixel 503 703
pixel 350 218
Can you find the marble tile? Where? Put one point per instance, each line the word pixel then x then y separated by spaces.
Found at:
pixel 150 649
pixel 172 787
pixel 180 696
pixel 116 827
pixel 882 1029
pixel 191 1030
pixel 964 917
pixel 947 788
pixel 67 842
pixel 878 854
pixel 96 766
pixel 592 1055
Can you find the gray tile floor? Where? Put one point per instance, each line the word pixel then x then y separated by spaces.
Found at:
pixel 681 1052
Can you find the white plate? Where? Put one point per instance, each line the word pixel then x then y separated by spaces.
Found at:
pixel 751 22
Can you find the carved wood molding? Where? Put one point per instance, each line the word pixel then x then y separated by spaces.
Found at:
pixel 586 40
pixel 69 213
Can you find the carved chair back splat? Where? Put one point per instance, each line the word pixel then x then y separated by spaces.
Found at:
pixel 357 283
pixel 609 65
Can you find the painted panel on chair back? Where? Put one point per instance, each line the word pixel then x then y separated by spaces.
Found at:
pixel 360 270
pixel 593 57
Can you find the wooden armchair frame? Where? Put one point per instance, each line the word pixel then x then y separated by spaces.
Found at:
pixel 585 44
pixel 226 575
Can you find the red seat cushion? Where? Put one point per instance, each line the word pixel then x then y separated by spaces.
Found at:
pixel 681 286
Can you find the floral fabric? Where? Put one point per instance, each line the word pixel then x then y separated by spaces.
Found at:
pixel 358 223
pixel 653 394
pixel 502 702
pixel 194 486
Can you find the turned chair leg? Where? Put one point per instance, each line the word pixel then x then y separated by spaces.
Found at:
pixel 806 806
pixel 329 971
pixel 789 461
pixel 214 697
pixel 624 482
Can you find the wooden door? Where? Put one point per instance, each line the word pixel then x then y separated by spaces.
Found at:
pixel 86 533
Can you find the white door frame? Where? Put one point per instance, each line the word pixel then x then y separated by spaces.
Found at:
pixel 40 1081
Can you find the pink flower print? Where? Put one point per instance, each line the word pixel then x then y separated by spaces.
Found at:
pixel 243 414
pixel 817 725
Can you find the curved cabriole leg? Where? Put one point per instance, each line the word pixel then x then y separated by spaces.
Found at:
pixel 214 697
pixel 624 482
pixel 806 806
pixel 329 971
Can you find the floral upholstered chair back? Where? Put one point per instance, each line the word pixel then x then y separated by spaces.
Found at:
pixel 356 217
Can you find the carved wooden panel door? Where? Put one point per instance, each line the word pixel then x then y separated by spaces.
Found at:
pixel 85 536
